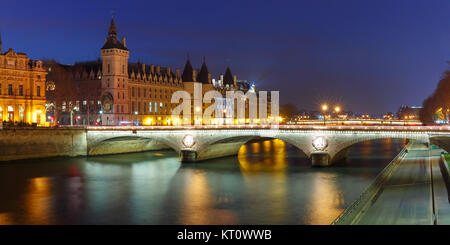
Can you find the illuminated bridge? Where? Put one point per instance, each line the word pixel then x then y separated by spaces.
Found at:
pixel 324 145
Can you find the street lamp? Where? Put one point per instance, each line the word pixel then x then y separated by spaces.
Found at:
pixel 135 113
pixel 101 113
pixel 337 109
pixel 324 109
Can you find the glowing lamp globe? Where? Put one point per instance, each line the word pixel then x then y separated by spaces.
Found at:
pixel 320 143
pixel 188 141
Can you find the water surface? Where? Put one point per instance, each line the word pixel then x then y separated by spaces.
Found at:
pixel 269 182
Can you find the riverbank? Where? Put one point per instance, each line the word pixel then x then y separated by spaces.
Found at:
pixel 351 214
pixel 31 143
pixel 415 193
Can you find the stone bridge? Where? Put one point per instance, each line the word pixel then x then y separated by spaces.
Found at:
pixel 323 145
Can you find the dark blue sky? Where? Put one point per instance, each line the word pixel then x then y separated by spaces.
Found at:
pixel 368 56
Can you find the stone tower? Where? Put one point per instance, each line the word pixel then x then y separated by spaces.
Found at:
pixel 115 79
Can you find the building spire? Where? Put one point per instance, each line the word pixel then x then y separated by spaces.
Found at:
pixel 203 75
pixel 111 40
pixel 188 72
pixel 228 77
pixel 112 32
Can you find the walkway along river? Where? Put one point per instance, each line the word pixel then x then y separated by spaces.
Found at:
pixel 412 190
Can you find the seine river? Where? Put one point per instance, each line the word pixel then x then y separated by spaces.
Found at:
pixel 269 182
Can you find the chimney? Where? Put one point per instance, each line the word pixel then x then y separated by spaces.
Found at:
pixel 158 69
pixel 152 68
pixel 177 72
pixel 168 70
pixel 124 42
pixel 143 67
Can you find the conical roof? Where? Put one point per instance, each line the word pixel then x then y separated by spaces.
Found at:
pixel 228 77
pixel 112 28
pixel 188 72
pixel 203 75
pixel 111 40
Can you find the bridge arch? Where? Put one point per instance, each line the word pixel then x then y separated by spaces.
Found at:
pixel 227 146
pixel 127 144
pixel 340 148
pixel 443 141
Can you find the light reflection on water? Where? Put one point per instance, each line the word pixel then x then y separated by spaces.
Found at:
pixel 269 182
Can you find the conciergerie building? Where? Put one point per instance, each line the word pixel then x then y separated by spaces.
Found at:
pixel 114 91
pixel 22 94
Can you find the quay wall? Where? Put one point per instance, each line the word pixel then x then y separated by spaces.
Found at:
pixel 16 144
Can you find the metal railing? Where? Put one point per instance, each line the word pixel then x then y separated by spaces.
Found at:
pixel 356 208
pixel 282 127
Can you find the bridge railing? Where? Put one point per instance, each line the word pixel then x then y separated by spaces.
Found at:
pixel 282 127
pixel 357 207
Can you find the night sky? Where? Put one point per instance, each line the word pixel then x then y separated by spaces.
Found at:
pixel 366 56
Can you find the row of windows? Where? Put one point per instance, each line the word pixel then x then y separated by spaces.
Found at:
pixel 161 91
pixel 151 107
pixel 20 92
pixel 68 105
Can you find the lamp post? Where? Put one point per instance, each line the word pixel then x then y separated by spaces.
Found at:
pixel 135 113
pixel 324 109
pixel 101 113
pixel 337 109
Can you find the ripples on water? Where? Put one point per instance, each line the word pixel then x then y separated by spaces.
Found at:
pixel 269 182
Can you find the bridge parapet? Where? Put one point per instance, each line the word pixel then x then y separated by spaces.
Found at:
pixel 322 146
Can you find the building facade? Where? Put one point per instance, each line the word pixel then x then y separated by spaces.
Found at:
pixel 114 91
pixel 22 89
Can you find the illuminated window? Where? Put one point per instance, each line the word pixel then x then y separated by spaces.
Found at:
pixel 150 106
pixel 156 107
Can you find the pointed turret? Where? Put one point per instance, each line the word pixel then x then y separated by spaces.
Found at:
pixel 188 72
pixel 112 32
pixel 228 77
pixel 203 75
pixel 111 40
